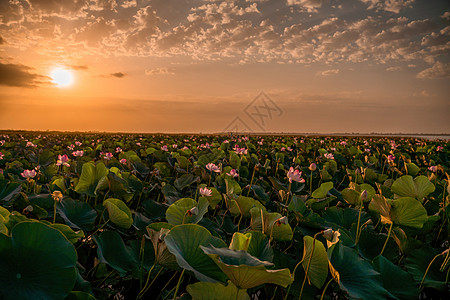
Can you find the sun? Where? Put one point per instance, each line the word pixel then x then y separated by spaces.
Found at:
pixel 62 77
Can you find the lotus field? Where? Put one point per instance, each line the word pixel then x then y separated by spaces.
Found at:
pixel 123 216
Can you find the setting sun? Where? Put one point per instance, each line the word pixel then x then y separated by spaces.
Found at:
pixel 62 77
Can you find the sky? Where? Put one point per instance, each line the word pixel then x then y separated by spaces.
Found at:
pixel 287 66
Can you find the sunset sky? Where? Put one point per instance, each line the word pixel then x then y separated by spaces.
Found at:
pixel 326 66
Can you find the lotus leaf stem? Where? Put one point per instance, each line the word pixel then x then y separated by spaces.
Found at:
pixel 428 268
pixel 178 284
pixel 251 181
pixel 359 221
pixel 325 288
pixel 147 286
pixel 309 263
pixel 387 239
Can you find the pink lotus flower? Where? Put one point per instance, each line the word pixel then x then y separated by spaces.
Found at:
pixel 329 156
pixel 78 153
pixel 433 169
pixel 1 155
pixel 164 148
pixel 30 144
pixel 123 161
pixel 295 175
pixel 312 167
pixel 205 192
pixel 344 143
pixel 174 146
pixel 439 148
pixel 261 142
pixel 108 156
pixel 226 142
pixel 28 174
pixel 213 168
pixel 282 149
pixel 118 150
pixel 367 150
pixel 185 148
pixel 233 173
pixel 240 150
pixel 78 144
pixel 71 147
pixel 2 142
pixel 63 160
pixel 139 144
pixel 391 158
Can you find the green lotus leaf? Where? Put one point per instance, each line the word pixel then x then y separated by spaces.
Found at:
pixel 78 295
pixel 183 181
pixel 240 241
pixel 117 185
pixel 272 227
pixel 216 291
pixel 418 262
pixel 113 251
pixel 77 214
pixel 235 161
pixel 355 275
pixel 379 205
pixel 412 168
pixel 398 282
pixel 37 262
pixel 162 254
pixel 70 235
pixel 322 190
pixel 184 242
pixel 233 188
pixel 351 196
pixel 244 204
pixel 9 189
pixel 177 213
pixel 91 175
pixel 246 271
pixel 344 217
pixel 418 188
pixel 259 246
pixel 318 262
pixel 408 212
pixel 119 213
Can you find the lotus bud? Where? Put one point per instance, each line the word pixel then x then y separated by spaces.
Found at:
pixel 282 194
pixel 357 171
pixel 331 236
pixel 363 196
pixel 193 211
pixel 282 220
pixel 328 234
pixel 312 167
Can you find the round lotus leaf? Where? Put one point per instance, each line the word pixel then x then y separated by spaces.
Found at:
pixel 316 262
pixel 216 291
pixel 184 242
pixel 37 262
pixel 246 271
pixel 178 212
pixel 119 213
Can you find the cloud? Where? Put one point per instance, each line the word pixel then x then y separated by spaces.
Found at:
pixel 308 5
pixel 159 71
pixel 394 6
pixel 79 67
pixel 392 69
pixel 20 76
pixel 328 72
pixel 118 75
pixel 437 71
